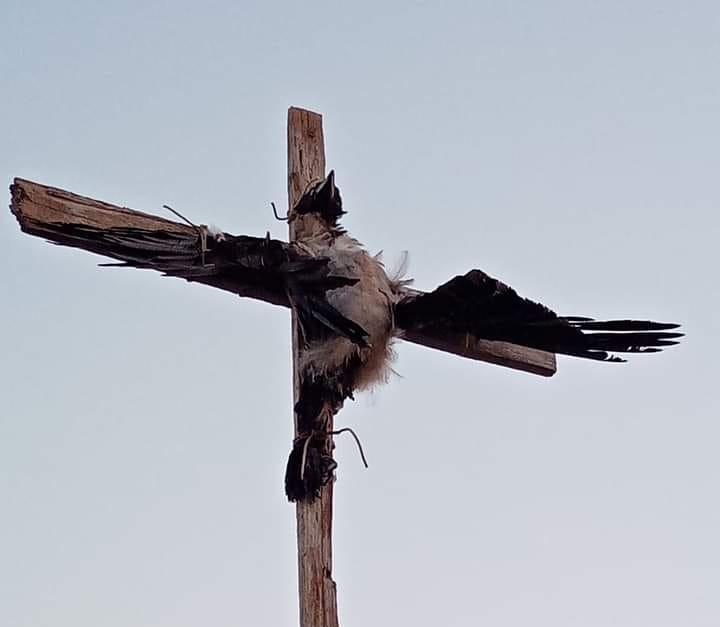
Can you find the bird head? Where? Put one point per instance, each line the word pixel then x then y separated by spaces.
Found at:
pixel 322 201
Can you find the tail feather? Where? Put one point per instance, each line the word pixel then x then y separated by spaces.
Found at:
pixel 596 339
pixel 588 324
pixel 630 342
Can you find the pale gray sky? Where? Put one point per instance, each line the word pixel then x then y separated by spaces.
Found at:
pixel 569 148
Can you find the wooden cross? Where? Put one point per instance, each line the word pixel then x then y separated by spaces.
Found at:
pixel 71 220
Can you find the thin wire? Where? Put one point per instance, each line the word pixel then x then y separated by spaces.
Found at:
pixel 306 445
pixel 202 232
pixel 275 213
pixel 357 441
pixel 182 217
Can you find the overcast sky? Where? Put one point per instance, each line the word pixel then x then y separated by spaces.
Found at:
pixel 570 148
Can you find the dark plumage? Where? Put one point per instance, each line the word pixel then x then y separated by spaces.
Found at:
pixel 487 308
pixel 349 311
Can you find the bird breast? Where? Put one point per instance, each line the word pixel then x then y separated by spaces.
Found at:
pixel 369 303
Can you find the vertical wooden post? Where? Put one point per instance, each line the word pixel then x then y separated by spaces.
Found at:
pixel 318 601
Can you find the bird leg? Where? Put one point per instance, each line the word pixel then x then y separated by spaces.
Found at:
pixel 310 464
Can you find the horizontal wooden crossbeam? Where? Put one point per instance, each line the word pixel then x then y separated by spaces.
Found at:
pixel 47 212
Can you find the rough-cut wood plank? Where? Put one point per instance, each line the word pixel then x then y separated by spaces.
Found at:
pixel 498 353
pixel 318 598
pixel 39 208
pixel 48 211
pixel 505 354
pixel 54 213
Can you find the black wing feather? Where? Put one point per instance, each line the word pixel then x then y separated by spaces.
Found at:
pixel 275 270
pixel 489 309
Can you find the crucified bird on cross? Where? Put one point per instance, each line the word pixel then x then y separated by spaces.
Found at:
pixel 348 330
pixel 349 310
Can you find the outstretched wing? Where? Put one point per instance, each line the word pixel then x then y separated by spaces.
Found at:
pixel 276 268
pixel 488 309
pixel 255 267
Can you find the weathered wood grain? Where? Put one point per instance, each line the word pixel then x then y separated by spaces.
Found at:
pixel 58 216
pixel 68 219
pixel 41 209
pixel 47 212
pixel 318 597
pixel 498 353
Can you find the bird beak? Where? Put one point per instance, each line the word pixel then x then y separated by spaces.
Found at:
pixel 327 200
pixel 326 190
pixel 322 198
